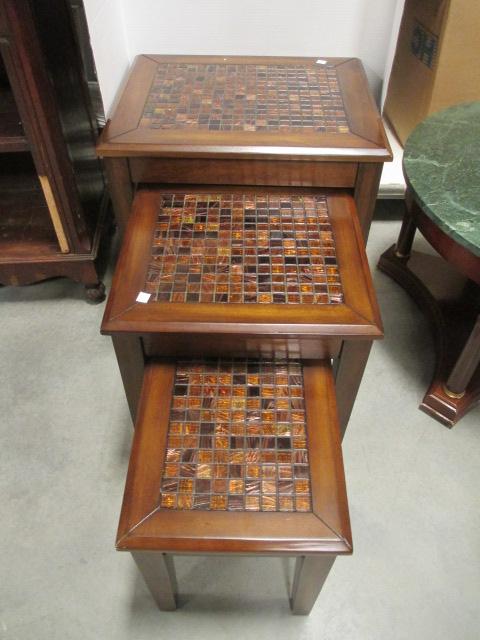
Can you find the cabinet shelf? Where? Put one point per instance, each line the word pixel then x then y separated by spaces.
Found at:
pixel 26 231
pixel 12 138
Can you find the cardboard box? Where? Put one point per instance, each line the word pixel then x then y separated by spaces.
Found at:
pixel 436 62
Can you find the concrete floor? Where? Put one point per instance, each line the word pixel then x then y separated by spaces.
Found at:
pixel 65 431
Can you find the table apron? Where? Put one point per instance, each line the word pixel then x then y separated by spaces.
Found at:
pixel 288 173
pixel 191 345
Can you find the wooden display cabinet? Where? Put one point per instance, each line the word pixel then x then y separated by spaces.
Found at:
pixel 51 183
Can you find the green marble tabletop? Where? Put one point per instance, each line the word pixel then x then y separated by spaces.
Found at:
pixel 442 167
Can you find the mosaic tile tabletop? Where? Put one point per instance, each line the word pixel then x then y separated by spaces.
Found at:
pixel 236 248
pixel 245 97
pixel 237 438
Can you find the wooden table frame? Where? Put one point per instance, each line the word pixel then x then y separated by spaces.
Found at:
pixel 353 160
pixel 342 331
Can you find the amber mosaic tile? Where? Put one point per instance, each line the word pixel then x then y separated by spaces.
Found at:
pixel 237 438
pixel 237 248
pixel 246 97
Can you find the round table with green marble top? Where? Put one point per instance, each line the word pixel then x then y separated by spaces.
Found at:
pixel 442 170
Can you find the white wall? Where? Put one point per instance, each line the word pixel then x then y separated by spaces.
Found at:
pixel 109 45
pixel 360 28
pixel 397 19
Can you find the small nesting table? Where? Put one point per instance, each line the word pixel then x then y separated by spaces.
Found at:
pixel 236 457
pixel 442 170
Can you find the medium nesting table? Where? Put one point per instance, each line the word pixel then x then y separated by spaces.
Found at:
pixel 442 170
pixel 243 272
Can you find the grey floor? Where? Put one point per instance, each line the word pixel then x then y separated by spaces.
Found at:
pixel 65 435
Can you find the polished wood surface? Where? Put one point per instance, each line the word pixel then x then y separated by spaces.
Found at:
pixel 310 575
pixel 243 172
pixel 261 345
pixel 467 363
pixel 366 192
pixel 158 572
pixel 366 141
pixel 357 317
pixel 120 188
pixel 349 368
pixel 145 526
pixel 131 358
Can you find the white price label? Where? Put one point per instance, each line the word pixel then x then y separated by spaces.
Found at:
pixel 143 297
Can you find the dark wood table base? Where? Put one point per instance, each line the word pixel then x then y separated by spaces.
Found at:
pixel 452 305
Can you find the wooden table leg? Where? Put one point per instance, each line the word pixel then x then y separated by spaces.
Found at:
pixel 466 364
pixel 158 572
pixel 366 193
pixel 120 189
pixel 131 362
pixel 403 248
pixel 310 575
pixel 349 370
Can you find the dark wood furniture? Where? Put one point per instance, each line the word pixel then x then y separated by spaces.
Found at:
pixel 442 170
pixel 290 122
pixel 79 21
pixel 248 256
pixel 51 184
pixel 236 456
pixel 243 272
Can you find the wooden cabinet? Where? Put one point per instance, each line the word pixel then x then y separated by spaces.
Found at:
pixel 51 183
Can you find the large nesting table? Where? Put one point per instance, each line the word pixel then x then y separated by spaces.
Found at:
pixel 256 121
